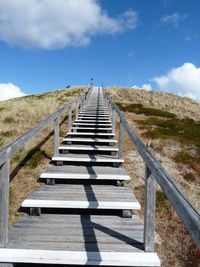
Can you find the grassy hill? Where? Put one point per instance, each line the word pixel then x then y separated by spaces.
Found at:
pixel 169 125
pixel 18 116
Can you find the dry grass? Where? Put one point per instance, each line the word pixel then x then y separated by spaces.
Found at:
pixel 180 250
pixel 17 116
pixel 20 114
pixel 181 106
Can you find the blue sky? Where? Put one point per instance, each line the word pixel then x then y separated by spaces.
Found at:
pixel 47 44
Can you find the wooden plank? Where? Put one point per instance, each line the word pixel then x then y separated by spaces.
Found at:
pixel 89 140
pixel 34 203
pixel 4 202
pixel 113 120
pixel 83 218
pixel 56 135
pixel 149 210
pixel 121 139
pixel 87 158
pixel 92 124
pixel 92 128
pixel 88 148
pixel 83 172
pixel 69 119
pixel 90 133
pixel 79 257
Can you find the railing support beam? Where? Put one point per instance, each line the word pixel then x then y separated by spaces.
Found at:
pixel 121 138
pixel 113 120
pixel 56 136
pixel 69 119
pixel 77 106
pixel 149 211
pixel 4 202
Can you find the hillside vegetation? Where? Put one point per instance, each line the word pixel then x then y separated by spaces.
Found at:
pixel 170 126
pixel 18 116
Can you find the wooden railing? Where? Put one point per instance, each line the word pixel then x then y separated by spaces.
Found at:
pixel 155 172
pixel 10 150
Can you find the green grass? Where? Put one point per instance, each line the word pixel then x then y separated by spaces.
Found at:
pixel 19 156
pixel 162 201
pixel 6 134
pixel 1 142
pixel 191 161
pixel 9 120
pixel 2 109
pixel 35 159
pixel 140 109
pixel 186 131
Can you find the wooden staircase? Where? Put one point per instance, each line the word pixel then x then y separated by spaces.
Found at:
pixel 81 214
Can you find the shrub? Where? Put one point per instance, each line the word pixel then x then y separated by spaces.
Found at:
pixel 140 109
pixel 189 176
pixel 9 120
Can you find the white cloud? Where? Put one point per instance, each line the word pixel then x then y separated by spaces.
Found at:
pixel 51 24
pixel 9 90
pixel 184 81
pixel 145 86
pixel 174 18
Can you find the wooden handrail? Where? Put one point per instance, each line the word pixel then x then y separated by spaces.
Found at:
pixel 184 209
pixel 11 149
pixel 20 142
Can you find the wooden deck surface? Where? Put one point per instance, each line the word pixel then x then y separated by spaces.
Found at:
pixel 80 238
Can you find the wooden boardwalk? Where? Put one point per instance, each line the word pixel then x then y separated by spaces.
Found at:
pixel 82 215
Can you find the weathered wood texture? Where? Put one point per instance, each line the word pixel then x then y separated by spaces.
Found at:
pixel 77 232
pixel 4 202
pixel 121 139
pixel 7 152
pixel 149 211
pixel 56 135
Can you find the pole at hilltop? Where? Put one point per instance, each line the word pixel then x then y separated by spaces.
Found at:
pixel 92 82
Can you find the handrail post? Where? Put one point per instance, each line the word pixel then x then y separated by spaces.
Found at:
pixel 81 103
pixel 4 202
pixel 113 120
pixel 70 119
pixel 77 106
pixel 149 210
pixel 56 136
pixel 121 138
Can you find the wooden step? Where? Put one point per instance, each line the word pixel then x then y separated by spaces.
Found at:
pixel 89 134
pixel 89 148
pixel 89 140
pixel 85 173
pixel 92 124
pixel 84 158
pixel 93 113
pixel 92 128
pixel 94 121
pixel 78 240
pixel 94 109
pixel 36 256
pixel 69 196
pixel 93 116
